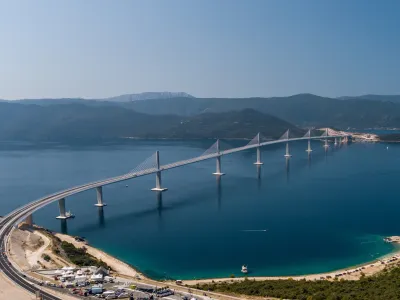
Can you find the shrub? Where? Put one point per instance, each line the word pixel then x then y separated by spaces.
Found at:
pixel 79 257
pixel 46 257
pixel 382 286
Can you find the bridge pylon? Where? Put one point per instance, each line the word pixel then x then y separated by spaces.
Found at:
pixel 286 137
pixel 63 215
pixel 218 162
pixel 258 149
pixel 99 193
pixel 326 145
pixel 158 187
pixel 287 153
pixel 308 134
pixel 29 220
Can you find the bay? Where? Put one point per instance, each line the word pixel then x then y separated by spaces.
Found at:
pixel 301 217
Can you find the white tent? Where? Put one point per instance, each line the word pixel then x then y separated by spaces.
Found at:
pixel 97 277
pixel 80 278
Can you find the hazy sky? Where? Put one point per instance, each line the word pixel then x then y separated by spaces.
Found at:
pixel 207 48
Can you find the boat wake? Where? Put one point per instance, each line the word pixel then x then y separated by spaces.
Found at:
pixel 254 230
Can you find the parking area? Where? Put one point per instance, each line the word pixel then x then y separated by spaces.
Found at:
pixel 96 282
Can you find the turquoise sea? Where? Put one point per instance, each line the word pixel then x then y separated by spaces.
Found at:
pixel 305 216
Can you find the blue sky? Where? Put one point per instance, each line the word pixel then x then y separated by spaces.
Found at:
pixel 220 48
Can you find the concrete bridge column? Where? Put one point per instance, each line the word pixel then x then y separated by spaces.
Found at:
pixel 218 167
pixel 99 192
pixel 218 163
pixel 326 146
pixel 158 187
pixel 258 162
pixel 309 150
pixel 29 220
pixel 63 215
pixel 287 155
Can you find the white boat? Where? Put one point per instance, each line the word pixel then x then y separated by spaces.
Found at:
pixel 244 269
pixel 68 214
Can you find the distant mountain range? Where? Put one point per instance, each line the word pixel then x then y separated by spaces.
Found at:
pixel 122 98
pixel 80 122
pixel 179 115
pixel 303 110
pixel 147 96
pixel 390 98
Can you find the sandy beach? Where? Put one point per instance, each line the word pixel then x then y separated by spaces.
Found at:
pixel 350 273
pixel 36 243
pixel 117 265
pixel 28 246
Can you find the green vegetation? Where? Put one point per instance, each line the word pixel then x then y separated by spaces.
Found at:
pixel 302 110
pixel 79 256
pixel 46 257
pixel 383 286
pixel 65 120
pixel 72 122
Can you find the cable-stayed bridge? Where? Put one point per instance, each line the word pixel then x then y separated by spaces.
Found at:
pixel 151 165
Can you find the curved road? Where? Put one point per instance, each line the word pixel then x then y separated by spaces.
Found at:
pixel 21 213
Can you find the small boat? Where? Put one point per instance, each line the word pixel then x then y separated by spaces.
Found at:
pixel 68 214
pixel 244 269
pixel 126 185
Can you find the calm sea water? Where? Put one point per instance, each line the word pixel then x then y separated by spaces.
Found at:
pixel 319 215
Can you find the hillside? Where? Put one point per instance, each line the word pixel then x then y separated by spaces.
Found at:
pixel 383 286
pixel 235 124
pixel 303 110
pixel 391 98
pixel 147 96
pixel 76 121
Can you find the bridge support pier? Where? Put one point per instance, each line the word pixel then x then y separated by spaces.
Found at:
pixel 158 187
pixel 287 155
pixel 63 215
pixel 309 150
pixel 29 220
pixel 258 162
pixel 326 146
pixel 99 192
pixel 218 163
pixel 218 167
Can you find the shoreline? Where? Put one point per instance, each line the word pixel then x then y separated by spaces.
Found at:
pixel 368 268
pixel 117 265
pixel 125 270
